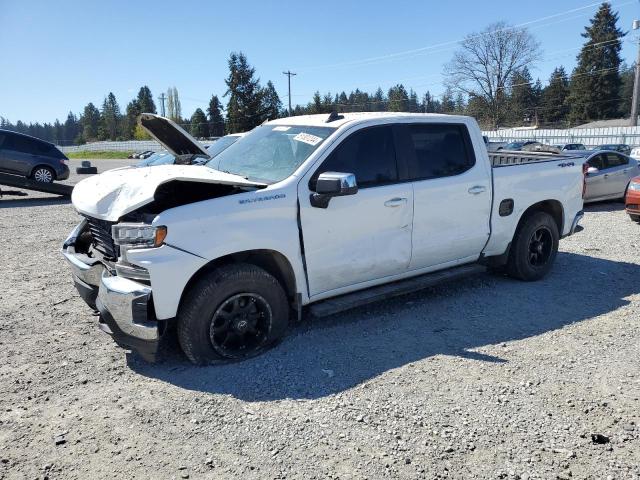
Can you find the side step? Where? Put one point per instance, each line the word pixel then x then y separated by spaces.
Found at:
pixel 382 292
pixel 28 184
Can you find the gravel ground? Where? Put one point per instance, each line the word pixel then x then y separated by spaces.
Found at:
pixel 486 378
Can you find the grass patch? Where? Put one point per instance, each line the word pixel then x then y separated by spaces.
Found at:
pixel 98 154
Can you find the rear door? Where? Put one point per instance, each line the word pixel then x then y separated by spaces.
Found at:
pixel 20 154
pixel 616 174
pixel 452 194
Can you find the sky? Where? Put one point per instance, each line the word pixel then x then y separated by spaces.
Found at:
pixel 59 55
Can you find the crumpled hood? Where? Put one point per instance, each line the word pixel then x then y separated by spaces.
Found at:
pixel 114 193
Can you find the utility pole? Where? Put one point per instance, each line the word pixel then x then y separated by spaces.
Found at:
pixel 289 74
pixel 162 99
pixel 636 82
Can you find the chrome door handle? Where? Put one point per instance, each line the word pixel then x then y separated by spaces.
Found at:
pixel 395 202
pixel 477 190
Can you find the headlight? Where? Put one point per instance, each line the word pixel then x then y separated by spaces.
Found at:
pixel 634 186
pixel 138 235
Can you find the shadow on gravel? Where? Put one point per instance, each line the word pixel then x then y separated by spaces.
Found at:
pixel 324 357
pixel 33 202
pixel 605 206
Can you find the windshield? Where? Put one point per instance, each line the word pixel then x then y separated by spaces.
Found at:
pixel 217 147
pixel 270 153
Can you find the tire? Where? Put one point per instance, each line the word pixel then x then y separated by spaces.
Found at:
pixel 43 174
pixel 86 170
pixel 534 247
pixel 635 218
pixel 233 313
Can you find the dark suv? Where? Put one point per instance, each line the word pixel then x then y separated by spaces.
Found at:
pixel 31 157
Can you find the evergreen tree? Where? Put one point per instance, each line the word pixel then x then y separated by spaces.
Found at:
pixel 448 102
pixel 90 122
pixel 413 105
pixel 199 124
pixel 626 89
pixel 271 104
pixel 554 107
pixel 214 115
pixel 430 104
pixel 522 98
pixel 145 100
pixel 398 99
pixel 71 128
pixel 58 132
pixel 131 118
pixel 110 117
pixel 327 103
pixel 315 106
pixel 378 101
pixel 245 95
pixel 595 83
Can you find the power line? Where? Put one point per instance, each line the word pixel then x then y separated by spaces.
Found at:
pixel 365 61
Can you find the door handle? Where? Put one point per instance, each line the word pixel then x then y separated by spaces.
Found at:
pixel 395 202
pixel 477 190
pixel 606 175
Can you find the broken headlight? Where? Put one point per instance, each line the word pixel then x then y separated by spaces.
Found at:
pixel 138 235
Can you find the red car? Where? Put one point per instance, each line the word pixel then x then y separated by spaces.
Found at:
pixel 632 199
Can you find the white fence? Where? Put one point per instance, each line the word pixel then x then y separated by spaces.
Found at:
pixel 591 137
pixel 124 146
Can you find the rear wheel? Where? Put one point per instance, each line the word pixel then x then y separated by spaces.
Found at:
pixel 534 247
pixel 232 313
pixel 635 218
pixel 43 175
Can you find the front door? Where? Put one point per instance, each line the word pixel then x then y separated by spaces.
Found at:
pixel 361 237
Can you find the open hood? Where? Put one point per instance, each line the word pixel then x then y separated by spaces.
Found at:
pixel 172 136
pixel 114 193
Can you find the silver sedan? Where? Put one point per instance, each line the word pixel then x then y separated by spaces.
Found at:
pixel 608 175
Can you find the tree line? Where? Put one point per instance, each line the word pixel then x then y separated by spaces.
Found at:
pixel 489 78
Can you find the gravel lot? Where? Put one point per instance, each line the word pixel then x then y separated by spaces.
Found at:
pixel 486 378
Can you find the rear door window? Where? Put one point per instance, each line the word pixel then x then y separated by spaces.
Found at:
pixel 438 150
pixel 22 144
pixel 368 153
pixel 615 160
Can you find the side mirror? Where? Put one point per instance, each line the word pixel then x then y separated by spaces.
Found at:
pixel 592 171
pixel 333 184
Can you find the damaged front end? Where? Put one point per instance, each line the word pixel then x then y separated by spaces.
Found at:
pixel 120 292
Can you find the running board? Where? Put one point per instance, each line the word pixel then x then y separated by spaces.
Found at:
pixel 383 292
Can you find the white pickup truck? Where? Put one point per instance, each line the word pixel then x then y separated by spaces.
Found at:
pixel 325 211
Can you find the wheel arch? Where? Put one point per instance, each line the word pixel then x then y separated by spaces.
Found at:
pixel 552 207
pixel 272 261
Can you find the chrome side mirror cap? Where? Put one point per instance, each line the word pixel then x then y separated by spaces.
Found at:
pixel 333 184
pixel 592 171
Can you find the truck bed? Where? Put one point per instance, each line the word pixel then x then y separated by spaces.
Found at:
pixel 505 158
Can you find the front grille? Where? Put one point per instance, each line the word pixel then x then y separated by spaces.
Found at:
pixel 102 239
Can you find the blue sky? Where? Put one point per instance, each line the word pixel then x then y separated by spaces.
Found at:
pixel 59 55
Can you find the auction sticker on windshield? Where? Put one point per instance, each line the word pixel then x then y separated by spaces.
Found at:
pixel 308 138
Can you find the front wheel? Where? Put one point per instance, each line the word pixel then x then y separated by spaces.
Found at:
pixel 534 247
pixel 232 313
pixel 635 218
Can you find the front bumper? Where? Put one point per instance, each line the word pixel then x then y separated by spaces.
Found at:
pixel 632 202
pixel 125 306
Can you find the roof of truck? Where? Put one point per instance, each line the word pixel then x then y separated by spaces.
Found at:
pixel 320 120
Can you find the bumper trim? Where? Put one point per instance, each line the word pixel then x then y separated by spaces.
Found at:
pixel 575 227
pixel 128 304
